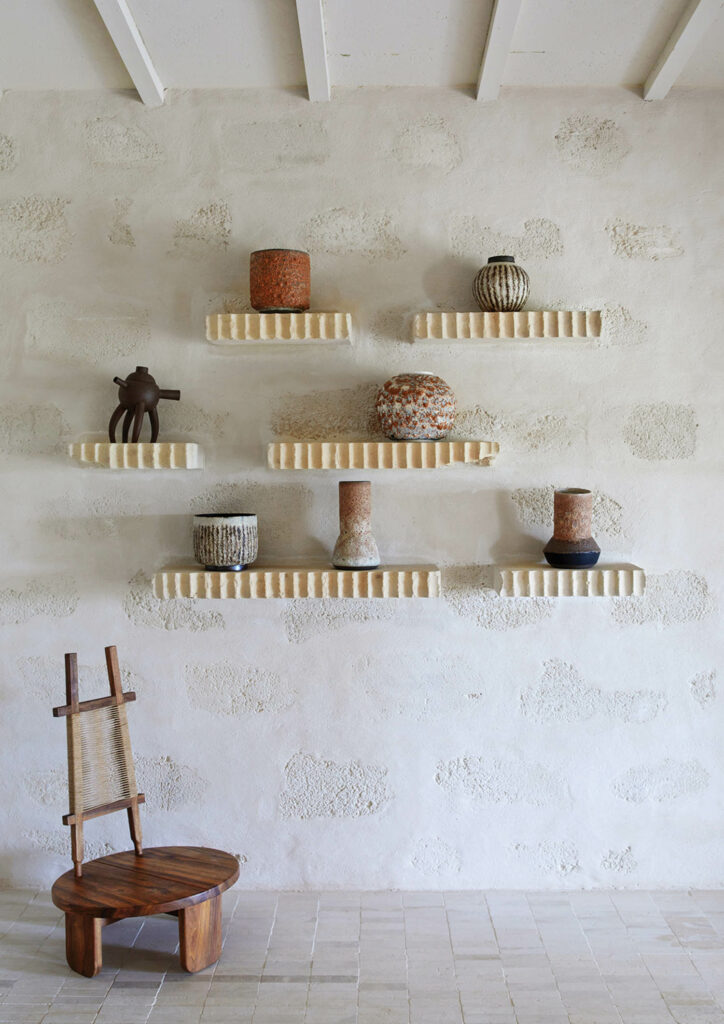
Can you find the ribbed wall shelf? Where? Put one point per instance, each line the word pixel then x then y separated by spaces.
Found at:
pixel 141 455
pixel 299 581
pixel 273 328
pixel 527 324
pixel 538 580
pixel 379 454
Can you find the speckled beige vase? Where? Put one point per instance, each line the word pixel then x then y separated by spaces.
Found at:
pixel 356 548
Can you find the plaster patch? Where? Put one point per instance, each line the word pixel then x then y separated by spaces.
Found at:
pixel 253 147
pixel 468 591
pixel 594 145
pixel 143 609
pixel 427 143
pixel 661 780
pixel 661 431
pixel 703 688
pixel 436 690
pixel 187 418
pixel 670 597
pixel 34 229
pixel 168 784
pixel 343 413
pixel 498 781
pixel 59 329
pixel 54 596
pixel 534 506
pixel 391 325
pixel 49 787
pixel 621 328
pixel 224 688
pixel 304 620
pixel 120 232
pixel 110 142
pixel 8 153
pixel 281 510
pixel 641 242
pixel 208 229
pixel 100 517
pixel 525 433
pixel 540 239
pixel 341 232
pixel 620 861
pixel 562 695
pixel 59 843
pixel 43 678
pixel 552 856
pixel 317 788
pixel 434 857
pixel 31 429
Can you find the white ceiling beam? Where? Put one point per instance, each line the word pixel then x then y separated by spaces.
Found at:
pixel 497 47
pixel 131 49
pixel 685 38
pixel 310 14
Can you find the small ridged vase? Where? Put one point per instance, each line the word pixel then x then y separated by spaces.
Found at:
pixel 572 546
pixel 501 286
pixel 225 541
pixel 356 548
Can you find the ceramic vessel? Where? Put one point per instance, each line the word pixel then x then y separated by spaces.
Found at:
pixel 279 280
pixel 501 286
pixel 416 407
pixel 356 548
pixel 225 541
pixel 572 546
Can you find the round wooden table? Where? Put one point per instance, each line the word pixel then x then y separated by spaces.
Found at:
pixel 183 880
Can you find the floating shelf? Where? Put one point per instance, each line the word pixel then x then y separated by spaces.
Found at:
pixel 527 324
pixel 299 581
pixel 379 454
pixel 540 580
pixel 141 455
pixel 275 328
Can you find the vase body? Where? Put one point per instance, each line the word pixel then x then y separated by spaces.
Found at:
pixel 416 407
pixel 356 548
pixel 501 286
pixel 279 280
pixel 225 541
pixel 572 546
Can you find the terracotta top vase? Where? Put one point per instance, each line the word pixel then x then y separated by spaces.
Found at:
pixel 416 407
pixel 279 280
pixel 356 548
pixel 501 286
pixel 572 546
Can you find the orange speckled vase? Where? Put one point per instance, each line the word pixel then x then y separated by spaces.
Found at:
pixel 356 548
pixel 572 546
pixel 279 280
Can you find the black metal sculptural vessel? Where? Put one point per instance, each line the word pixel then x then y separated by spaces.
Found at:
pixel 138 394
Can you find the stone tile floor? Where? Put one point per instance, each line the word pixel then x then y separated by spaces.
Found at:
pixel 386 958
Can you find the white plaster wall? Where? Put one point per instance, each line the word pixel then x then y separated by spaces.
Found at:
pixel 472 741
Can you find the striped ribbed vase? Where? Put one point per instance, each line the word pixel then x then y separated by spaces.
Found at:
pixel 501 286
pixel 225 541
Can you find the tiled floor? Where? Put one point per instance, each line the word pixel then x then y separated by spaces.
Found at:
pixel 386 958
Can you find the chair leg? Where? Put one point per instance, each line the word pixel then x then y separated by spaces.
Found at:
pixel 199 931
pixel 83 949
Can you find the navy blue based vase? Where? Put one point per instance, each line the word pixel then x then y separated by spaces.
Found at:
pixel 572 546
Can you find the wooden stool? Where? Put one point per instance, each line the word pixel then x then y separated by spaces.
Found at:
pixel 183 880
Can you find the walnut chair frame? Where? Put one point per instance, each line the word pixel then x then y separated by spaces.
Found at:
pixel 186 881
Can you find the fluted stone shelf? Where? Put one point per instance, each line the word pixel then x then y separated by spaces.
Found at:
pixel 139 455
pixel 299 581
pixel 540 580
pixel 275 328
pixel 379 454
pixel 536 324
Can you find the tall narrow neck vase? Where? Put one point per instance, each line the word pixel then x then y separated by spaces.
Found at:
pixel 356 548
pixel 572 546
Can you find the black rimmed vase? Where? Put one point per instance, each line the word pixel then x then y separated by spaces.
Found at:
pixel 226 541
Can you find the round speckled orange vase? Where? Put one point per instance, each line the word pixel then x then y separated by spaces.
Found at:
pixel 279 280
pixel 356 548
pixel 572 546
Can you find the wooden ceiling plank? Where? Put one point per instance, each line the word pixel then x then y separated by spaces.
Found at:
pixel 132 50
pixel 310 14
pixel 693 24
pixel 497 47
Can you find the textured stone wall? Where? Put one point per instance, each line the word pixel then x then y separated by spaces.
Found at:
pixel 471 741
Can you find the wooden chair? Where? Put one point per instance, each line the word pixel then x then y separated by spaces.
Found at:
pixel 183 880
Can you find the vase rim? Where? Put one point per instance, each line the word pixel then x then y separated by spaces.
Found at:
pixel 501 259
pixel 225 515
pixel 572 490
pixel 259 252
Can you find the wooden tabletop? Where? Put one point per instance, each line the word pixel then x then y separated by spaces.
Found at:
pixel 165 878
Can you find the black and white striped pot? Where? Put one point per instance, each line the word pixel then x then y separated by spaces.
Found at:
pixel 225 541
pixel 501 286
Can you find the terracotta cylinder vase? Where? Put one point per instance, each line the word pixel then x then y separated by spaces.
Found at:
pixel 356 548
pixel 225 541
pixel 279 280
pixel 572 546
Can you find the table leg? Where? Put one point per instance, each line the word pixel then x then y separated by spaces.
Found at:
pixel 83 949
pixel 199 929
